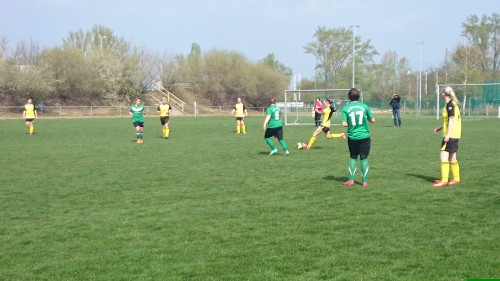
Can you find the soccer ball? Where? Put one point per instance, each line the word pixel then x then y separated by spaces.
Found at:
pixel 300 145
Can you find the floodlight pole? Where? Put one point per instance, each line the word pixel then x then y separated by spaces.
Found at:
pixel 420 79
pixel 465 73
pixel 353 27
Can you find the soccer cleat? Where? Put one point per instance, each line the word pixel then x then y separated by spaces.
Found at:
pixel 273 152
pixel 439 183
pixel 453 182
pixel 343 136
pixel 348 183
pixel 138 141
pixel 287 153
pixel 365 184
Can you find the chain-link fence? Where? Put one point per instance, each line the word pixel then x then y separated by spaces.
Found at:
pixel 473 107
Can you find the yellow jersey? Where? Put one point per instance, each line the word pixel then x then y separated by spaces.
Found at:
pixel 30 110
pixel 452 110
pixel 240 110
pixel 327 115
pixel 164 110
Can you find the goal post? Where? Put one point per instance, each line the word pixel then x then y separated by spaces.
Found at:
pixel 298 105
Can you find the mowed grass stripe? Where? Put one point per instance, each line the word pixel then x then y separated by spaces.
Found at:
pixel 81 201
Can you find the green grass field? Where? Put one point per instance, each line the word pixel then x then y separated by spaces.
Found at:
pixel 80 200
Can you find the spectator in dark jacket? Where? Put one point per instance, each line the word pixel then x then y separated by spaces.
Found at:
pixel 396 114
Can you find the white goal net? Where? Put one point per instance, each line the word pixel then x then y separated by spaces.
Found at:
pixel 298 105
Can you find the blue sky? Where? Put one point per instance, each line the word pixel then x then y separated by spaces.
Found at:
pixel 254 28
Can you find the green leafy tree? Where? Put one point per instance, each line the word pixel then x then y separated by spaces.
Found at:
pixel 115 66
pixel 24 75
pixel 387 77
pixel 271 61
pixel 333 51
pixel 484 35
pixel 225 77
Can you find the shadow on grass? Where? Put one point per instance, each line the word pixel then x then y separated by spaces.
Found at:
pixel 334 178
pixel 280 152
pixel 426 178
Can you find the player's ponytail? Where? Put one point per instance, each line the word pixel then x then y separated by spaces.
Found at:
pixel 448 91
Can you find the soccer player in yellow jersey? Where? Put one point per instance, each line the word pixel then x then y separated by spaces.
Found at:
pixel 326 122
pixel 452 131
pixel 164 109
pixel 30 114
pixel 241 112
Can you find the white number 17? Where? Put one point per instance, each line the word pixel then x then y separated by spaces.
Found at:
pixel 353 118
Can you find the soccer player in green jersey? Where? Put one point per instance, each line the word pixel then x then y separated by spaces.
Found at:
pixel 355 117
pixel 452 131
pixel 273 127
pixel 136 112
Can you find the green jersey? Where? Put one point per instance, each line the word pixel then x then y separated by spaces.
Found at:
pixel 275 113
pixel 137 111
pixel 357 114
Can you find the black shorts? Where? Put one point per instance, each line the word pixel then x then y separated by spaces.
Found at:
pixel 139 124
pixel 240 118
pixel 451 146
pixel 274 132
pixel 30 119
pixel 164 120
pixel 359 148
pixel 325 129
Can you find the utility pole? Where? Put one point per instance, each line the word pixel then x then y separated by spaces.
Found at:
pixel 353 27
pixel 420 79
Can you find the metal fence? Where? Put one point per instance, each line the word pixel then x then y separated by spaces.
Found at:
pixel 14 112
pixel 474 107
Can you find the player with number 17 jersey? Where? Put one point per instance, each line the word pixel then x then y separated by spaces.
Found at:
pixel 357 114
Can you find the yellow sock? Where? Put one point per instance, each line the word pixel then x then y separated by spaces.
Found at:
pixel 335 136
pixel 31 129
pixel 445 171
pixel 164 132
pixel 243 129
pixel 237 129
pixel 311 141
pixel 167 132
pixel 455 170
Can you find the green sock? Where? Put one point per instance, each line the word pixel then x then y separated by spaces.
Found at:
pixel 364 169
pixel 270 143
pixel 138 135
pixel 283 144
pixel 353 165
pixel 141 135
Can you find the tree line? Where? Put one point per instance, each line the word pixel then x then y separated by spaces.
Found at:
pixel 96 67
